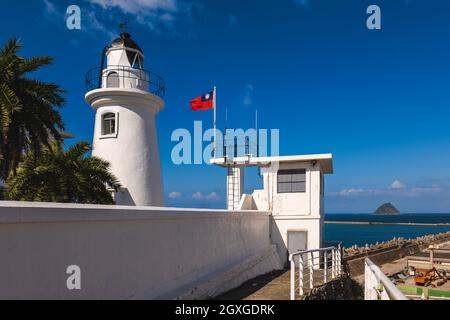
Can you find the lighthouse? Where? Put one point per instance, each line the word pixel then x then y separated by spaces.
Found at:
pixel 126 99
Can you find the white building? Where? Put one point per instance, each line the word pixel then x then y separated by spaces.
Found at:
pixel 126 99
pixel 142 251
pixel 293 194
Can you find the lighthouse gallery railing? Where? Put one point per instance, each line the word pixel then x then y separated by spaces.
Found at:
pixel 126 77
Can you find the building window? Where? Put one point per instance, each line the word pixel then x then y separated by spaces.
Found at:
pixel 290 181
pixel 109 124
pixel 112 81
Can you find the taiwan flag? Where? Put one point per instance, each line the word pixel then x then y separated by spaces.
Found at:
pixel 204 102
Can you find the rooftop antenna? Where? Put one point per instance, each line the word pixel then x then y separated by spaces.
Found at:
pixel 257 141
pixel 225 133
pixel 257 134
pixel 123 25
pixel 226 117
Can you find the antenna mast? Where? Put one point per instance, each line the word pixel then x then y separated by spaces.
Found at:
pixel 257 134
pixel 123 25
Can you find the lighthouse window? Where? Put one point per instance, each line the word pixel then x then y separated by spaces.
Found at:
pixel 109 124
pixel 290 181
pixel 112 80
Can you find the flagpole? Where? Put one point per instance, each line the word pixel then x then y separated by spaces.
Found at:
pixel 215 137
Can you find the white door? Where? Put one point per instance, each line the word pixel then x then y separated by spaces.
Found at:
pixel 297 241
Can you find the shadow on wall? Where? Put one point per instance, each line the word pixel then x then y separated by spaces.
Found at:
pixel 124 197
pixel 277 238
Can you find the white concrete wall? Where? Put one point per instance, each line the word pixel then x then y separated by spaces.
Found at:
pixel 247 203
pixel 282 224
pixel 306 203
pixel 260 197
pixel 129 252
pixel 301 211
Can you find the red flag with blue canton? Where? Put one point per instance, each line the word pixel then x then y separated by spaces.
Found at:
pixel 204 102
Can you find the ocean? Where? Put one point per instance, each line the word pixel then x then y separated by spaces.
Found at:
pixel 351 234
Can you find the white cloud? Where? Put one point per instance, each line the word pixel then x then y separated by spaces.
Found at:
pixel 50 7
pixel 396 188
pixel 54 13
pixel 198 196
pixel 397 185
pixel 174 195
pixel 138 6
pixel 89 22
pixel 426 189
pixel 92 24
pixel 350 192
pixel 248 95
pixel 213 196
pixel 167 17
pixel 150 13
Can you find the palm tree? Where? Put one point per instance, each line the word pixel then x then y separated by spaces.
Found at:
pixel 62 176
pixel 28 108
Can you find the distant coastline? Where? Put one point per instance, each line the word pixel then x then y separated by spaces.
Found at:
pixel 388 223
pixel 426 219
pixel 360 229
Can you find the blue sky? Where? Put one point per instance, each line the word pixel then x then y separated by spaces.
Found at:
pixel 377 99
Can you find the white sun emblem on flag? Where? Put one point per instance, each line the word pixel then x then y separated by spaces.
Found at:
pixel 207 96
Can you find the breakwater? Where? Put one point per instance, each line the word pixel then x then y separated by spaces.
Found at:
pixel 388 251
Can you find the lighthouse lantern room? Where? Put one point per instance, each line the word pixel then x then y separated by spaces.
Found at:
pixel 126 99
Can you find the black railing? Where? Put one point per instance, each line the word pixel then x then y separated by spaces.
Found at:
pixel 125 77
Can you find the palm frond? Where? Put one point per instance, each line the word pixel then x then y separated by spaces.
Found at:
pixel 63 176
pixel 29 117
pixel 34 64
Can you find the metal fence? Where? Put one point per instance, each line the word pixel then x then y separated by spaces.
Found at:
pixel 233 148
pixel 377 285
pixel 312 268
pixel 125 77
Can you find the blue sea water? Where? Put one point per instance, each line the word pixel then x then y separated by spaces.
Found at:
pixel 351 234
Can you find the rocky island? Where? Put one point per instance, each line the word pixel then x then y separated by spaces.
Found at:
pixel 387 208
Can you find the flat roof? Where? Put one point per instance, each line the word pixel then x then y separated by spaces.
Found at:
pixel 325 160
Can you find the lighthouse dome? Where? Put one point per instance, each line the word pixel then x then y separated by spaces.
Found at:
pixel 122 66
pixel 125 42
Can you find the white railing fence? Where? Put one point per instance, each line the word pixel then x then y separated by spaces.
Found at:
pixel 377 285
pixel 312 268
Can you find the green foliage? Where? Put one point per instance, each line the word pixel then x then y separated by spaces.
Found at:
pixel 357 289
pixel 56 175
pixel 28 108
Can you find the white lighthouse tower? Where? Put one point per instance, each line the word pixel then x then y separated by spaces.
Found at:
pixel 126 99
